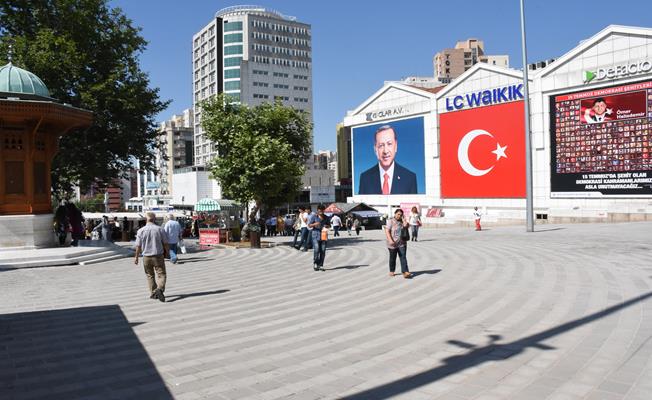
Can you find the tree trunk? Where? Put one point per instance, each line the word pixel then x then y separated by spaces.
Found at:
pixel 254 211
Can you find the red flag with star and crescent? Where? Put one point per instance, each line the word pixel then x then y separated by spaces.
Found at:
pixel 482 152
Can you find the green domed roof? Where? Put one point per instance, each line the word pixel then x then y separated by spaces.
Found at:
pixel 19 81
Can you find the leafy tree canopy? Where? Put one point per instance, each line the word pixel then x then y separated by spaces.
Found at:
pixel 87 55
pixel 262 149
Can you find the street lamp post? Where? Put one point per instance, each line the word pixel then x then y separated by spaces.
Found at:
pixel 529 209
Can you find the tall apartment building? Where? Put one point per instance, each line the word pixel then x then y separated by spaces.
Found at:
pixel 451 63
pixel 176 139
pixel 254 55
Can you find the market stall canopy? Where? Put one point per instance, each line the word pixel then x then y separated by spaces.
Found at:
pixel 367 214
pixel 205 205
pixel 345 208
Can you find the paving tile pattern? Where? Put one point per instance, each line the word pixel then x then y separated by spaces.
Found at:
pixel 562 313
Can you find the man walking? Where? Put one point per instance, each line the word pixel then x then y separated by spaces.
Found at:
pixel 477 215
pixel 173 230
pixel 152 242
pixel 336 222
pixel 319 223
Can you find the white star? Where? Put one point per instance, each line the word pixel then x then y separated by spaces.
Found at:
pixel 500 151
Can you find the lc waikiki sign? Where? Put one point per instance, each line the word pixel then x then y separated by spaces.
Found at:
pixel 485 97
pixel 618 71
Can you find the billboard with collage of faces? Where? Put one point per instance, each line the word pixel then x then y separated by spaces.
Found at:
pixel 601 142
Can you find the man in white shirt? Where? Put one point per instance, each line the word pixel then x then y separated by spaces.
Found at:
pixel 152 242
pixel 336 223
pixel 306 242
pixel 173 229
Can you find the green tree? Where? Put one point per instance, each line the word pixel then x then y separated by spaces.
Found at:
pixel 87 55
pixel 261 150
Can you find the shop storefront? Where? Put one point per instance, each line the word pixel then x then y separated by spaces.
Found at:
pixel 591 122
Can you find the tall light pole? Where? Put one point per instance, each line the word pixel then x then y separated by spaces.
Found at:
pixel 529 209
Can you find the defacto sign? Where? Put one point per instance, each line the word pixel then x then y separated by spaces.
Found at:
pixel 618 71
pixel 485 97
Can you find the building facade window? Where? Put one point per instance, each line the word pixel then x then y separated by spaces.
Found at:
pixel 230 50
pixel 232 61
pixel 233 85
pixel 233 38
pixel 232 73
pixel 232 26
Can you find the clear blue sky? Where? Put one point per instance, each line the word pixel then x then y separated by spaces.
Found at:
pixel 357 45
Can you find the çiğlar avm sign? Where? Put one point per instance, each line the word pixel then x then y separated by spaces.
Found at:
pixel 485 97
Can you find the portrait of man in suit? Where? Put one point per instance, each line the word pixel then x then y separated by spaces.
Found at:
pixel 387 176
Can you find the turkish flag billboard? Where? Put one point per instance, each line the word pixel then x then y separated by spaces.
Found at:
pixel 482 152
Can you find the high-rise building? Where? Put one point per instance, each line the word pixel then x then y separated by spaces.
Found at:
pixel 451 63
pixel 175 148
pixel 254 55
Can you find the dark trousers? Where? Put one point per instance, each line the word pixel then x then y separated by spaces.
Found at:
pixel 297 233
pixel 415 232
pixel 319 250
pixel 402 255
pixel 336 229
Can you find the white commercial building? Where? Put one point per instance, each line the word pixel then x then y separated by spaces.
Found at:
pixel 591 122
pixel 255 55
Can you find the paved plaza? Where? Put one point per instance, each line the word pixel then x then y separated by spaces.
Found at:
pixel 562 313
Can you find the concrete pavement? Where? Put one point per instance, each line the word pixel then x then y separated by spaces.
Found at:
pixel 562 313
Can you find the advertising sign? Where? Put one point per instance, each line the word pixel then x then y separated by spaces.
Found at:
pixel 407 208
pixel 322 194
pixel 483 152
pixel 601 142
pixel 388 158
pixel 209 237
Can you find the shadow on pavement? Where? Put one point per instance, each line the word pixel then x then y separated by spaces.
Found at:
pixel 478 355
pixel 177 297
pixel 347 267
pixel 183 260
pixel 75 353
pixel 425 272
pixel 548 230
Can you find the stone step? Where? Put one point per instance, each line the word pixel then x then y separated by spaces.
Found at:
pixel 83 259
pixel 103 259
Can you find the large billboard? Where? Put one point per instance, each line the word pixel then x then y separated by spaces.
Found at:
pixel 482 152
pixel 388 158
pixel 601 142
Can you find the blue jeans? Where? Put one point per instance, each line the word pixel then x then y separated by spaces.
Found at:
pixel 402 255
pixel 173 252
pixel 336 229
pixel 318 249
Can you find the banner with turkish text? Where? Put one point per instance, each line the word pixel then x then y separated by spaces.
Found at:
pixel 482 152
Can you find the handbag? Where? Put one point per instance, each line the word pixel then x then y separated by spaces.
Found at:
pixel 405 234
pixel 419 222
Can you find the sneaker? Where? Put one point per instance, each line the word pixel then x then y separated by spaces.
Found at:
pixel 315 267
pixel 153 296
pixel 160 296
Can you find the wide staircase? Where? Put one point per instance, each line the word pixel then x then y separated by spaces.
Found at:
pixel 88 252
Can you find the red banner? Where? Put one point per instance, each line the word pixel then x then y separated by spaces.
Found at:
pixel 483 152
pixel 209 237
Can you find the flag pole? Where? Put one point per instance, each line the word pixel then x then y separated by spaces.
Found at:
pixel 529 209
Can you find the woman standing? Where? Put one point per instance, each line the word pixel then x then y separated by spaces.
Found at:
pixel 415 223
pixel 396 244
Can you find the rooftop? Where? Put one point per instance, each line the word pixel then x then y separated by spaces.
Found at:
pixel 252 9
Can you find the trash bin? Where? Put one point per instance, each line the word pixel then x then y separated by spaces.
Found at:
pixel 254 238
pixel 125 235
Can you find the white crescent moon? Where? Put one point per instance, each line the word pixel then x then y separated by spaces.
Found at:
pixel 463 153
